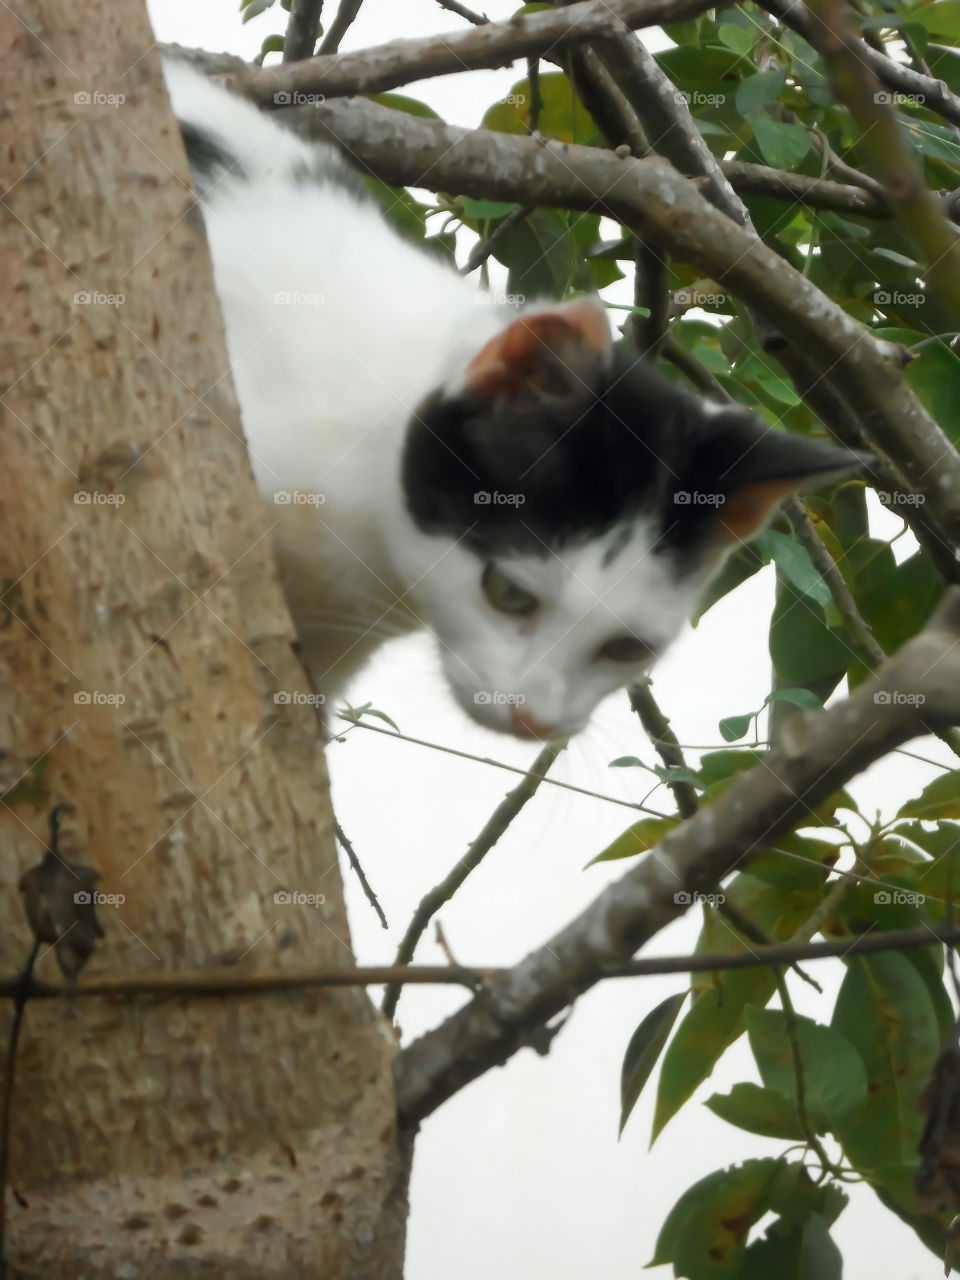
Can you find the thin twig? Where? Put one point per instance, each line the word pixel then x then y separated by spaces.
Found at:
pixel 461 10
pixel 483 249
pixel 223 984
pixel 510 768
pixel 664 740
pixel 340 25
pixel 493 829
pixel 301 35
pixel 358 870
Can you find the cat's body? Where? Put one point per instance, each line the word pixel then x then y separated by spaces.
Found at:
pixel 429 459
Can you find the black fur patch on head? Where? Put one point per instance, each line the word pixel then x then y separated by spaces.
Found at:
pixel 536 474
pixel 208 160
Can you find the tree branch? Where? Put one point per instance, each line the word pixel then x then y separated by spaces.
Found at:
pixel 820 753
pixel 301 34
pixel 340 25
pixel 494 44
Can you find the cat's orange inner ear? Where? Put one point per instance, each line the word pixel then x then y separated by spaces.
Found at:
pixel 746 512
pixel 517 355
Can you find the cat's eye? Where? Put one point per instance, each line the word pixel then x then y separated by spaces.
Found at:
pixel 625 649
pixel 506 596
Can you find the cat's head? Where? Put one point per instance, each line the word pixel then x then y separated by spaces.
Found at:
pixel 569 505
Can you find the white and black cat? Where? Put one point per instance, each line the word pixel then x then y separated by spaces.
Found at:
pixel 545 502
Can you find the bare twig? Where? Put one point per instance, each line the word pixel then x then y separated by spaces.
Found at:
pixel 359 872
pixel 493 829
pixel 461 10
pixel 483 249
pixel 340 26
pixel 301 34
pixel 664 740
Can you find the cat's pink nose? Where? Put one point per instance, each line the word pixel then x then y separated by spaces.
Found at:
pixel 523 724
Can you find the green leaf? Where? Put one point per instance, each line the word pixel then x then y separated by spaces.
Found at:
pixel 794 559
pixel 400 102
pixel 562 115
pixel 885 1011
pixel 757 1110
pixel 734 727
pixel 677 773
pixel 646 1045
pixel 939 799
pixel 272 44
pixel 643 835
pixel 736 38
pixel 805 652
pixel 252 8
pixel 782 145
pixel 797 697
pixel 625 762
pixel 705 1233
pixel 480 209
pixel 835 1082
pixel 940 19
pixel 757 90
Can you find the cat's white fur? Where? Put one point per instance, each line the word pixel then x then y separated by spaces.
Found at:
pixel 327 382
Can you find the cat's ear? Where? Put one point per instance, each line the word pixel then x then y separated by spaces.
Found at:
pixel 748 469
pixel 549 352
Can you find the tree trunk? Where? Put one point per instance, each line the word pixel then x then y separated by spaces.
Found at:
pixel 142 640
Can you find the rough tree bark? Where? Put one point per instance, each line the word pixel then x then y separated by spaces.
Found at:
pixel 245 1137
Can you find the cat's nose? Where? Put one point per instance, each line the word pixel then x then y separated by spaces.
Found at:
pixel 523 724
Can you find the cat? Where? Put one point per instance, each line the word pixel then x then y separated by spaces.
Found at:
pixel 543 500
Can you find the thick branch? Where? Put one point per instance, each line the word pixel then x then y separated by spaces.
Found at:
pixel 495 44
pixel 820 753
pixel 301 34
pixel 655 202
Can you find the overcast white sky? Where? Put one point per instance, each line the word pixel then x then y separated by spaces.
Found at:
pixel 521 1175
